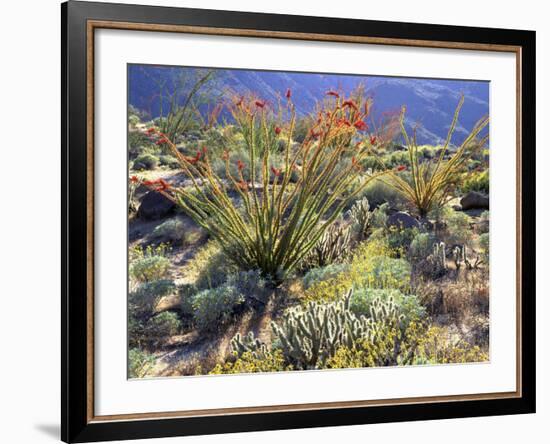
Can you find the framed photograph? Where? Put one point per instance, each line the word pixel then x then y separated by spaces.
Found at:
pixel 275 221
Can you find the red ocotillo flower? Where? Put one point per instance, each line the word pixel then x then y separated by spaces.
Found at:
pixel 259 103
pixel 333 94
pixel 242 185
pixel 288 94
pixel 162 185
pixel 151 130
pixel 134 179
pixel 401 168
pixel 360 125
pixel 149 183
pixel 342 122
pixel 277 130
pixel 240 165
pixel 372 140
pixel 161 141
pixel 314 134
pixel 276 171
pixel 349 103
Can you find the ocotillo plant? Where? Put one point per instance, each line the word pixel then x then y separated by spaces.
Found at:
pixel 282 219
pixel 432 181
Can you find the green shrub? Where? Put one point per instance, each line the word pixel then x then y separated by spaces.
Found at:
pixel 248 363
pixel 209 267
pixel 380 216
pixel 400 239
pixel 146 161
pixel 172 230
pixel 378 192
pixel 458 228
pixel 476 181
pixel 144 299
pixel 323 273
pixel 169 161
pixel 484 245
pixel 150 268
pixel 422 246
pixel 160 326
pixel 371 267
pixel 483 222
pixel 215 307
pixel 139 363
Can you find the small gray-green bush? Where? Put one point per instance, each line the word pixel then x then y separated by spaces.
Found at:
pixel 150 268
pixel 215 307
pixel 146 161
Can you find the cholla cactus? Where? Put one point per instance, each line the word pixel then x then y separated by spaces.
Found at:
pixel 248 343
pixel 310 336
pixel 439 256
pixel 361 218
pixel 331 248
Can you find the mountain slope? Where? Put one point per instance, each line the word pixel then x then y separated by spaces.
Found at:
pixel 430 102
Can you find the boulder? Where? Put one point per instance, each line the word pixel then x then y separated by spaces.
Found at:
pixel 155 206
pixel 402 220
pixel 474 200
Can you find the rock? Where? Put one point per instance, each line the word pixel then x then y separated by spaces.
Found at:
pixel 474 200
pixel 402 220
pixel 456 207
pixel 155 206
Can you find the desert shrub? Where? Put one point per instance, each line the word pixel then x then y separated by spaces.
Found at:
pixel 248 283
pixel 323 273
pixel 133 120
pixel 150 268
pixel 476 181
pixel 456 298
pixel 482 225
pixel 272 361
pixel 209 267
pixel 150 264
pixel 408 305
pixel 168 161
pixel 379 192
pixel 146 296
pixel 371 267
pixel 215 307
pixel 139 363
pixel 458 228
pixel 421 246
pixel 146 161
pixel 400 239
pixel 137 143
pixel 439 346
pixel 172 230
pixel 380 216
pixel 484 246
pixel 396 344
pixel 160 326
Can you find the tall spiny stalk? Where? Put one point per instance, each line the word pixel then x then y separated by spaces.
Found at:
pixel 432 181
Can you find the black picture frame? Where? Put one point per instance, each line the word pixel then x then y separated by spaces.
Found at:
pixel 76 423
